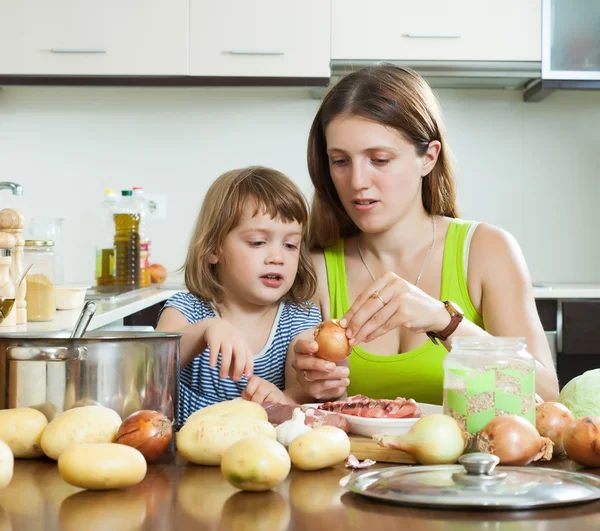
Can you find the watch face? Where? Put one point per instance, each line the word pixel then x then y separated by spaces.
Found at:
pixel 454 308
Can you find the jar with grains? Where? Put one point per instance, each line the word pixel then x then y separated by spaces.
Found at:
pixel 488 376
pixel 41 291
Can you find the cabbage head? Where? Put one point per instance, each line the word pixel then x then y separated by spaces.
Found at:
pixel 582 394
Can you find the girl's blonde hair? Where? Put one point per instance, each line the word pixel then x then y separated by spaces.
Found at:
pixel 394 97
pixel 271 192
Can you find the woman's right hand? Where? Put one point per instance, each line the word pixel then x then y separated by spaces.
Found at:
pixel 225 340
pixel 319 378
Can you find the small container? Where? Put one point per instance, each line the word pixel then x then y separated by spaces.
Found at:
pixel 70 297
pixel 488 376
pixel 41 292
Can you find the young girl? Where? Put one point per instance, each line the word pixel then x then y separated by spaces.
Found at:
pixel 249 278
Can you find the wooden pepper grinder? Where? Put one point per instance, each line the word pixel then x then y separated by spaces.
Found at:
pixel 7 244
pixel 12 222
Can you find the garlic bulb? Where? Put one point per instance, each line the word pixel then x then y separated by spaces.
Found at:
pixel 290 429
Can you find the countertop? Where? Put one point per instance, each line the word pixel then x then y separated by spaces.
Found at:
pixel 182 496
pixel 566 291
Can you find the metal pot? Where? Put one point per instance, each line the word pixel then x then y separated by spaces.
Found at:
pixel 125 371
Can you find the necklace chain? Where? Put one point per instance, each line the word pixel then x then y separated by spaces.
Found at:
pixel 424 259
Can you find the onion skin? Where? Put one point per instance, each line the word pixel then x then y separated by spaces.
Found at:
pixel 148 431
pixel 332 341
pixel 551 420
pixel 582 441
pixel 514 440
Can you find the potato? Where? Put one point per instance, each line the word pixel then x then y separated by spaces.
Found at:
pixel 205 439
pixel 21 428
pixel 7 464
pixel 256 463
pixel 86 424
pixel 99 511
pixel 102 466
pixel 319 448
pixel 238 406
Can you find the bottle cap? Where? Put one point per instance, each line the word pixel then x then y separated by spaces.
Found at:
pixel 126 193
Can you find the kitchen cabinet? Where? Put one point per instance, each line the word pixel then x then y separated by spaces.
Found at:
pixel 268 38
pixel 87 38
pixel 437 30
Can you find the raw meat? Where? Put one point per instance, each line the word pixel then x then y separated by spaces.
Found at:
pixel 362 406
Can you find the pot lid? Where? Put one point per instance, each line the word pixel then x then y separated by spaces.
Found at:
pixel 476 483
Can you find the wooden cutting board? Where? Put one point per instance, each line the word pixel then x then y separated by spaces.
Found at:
pixel 366 448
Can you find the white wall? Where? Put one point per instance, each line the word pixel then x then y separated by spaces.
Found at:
pixel 530 168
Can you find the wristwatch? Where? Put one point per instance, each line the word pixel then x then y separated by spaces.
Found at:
pixel 456 316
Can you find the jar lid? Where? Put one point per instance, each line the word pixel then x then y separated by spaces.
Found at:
pixel 39 243
pixel 476 484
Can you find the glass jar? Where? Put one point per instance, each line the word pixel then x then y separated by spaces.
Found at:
pixel 41 291
pixel 488 376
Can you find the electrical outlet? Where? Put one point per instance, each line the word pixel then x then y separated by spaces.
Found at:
pixel 157 206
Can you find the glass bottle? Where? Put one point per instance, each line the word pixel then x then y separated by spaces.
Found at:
pixel 41 291
pixel 142 207
pixel 488 376
pixel 127 241
pixel 105 248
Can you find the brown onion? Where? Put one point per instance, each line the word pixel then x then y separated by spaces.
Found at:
pixel 551 420
pixel 514 440
pixel 147 431
pixel 332 341
pixel 582 441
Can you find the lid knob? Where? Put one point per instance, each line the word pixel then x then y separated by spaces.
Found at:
pixel 479 463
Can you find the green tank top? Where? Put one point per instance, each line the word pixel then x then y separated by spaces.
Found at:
pixel 416 374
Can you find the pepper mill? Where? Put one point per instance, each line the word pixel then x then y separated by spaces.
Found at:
pixel 7 244
pixel 12 222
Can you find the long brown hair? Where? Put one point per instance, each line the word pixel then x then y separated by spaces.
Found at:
pixel 271 192
pixel 392 96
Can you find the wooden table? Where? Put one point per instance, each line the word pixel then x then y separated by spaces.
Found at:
pixel 176 495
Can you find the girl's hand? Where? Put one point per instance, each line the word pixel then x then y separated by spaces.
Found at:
pixel 259 390
pixel 236 357
pixel 390 302
pixel 321 379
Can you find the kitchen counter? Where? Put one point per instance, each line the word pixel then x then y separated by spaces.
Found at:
pixel 177 495
pixel 566 291
pixel 106 312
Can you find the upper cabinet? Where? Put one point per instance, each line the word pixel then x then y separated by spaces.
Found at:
pixel 437 30
pixel 265 38
pixel 92 37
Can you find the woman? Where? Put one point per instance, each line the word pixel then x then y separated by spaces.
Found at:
pixel 385 227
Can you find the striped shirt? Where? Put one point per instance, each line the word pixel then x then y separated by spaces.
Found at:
pixel 200 385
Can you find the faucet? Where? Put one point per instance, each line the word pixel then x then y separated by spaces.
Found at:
pixel 17 189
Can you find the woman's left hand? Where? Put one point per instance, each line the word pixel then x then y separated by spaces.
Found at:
pixel 390 302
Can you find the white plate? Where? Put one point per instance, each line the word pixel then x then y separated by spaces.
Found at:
pixel 369 427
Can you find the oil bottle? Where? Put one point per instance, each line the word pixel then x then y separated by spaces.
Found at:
pixel 105 249
pixel 127 241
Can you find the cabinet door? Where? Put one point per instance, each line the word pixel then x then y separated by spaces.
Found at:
pixel 437 30
pixel 262 38
pixel 87 37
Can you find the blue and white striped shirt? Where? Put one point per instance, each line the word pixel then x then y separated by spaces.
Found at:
pixel 200 385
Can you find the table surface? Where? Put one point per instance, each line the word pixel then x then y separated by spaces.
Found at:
pixel 183 496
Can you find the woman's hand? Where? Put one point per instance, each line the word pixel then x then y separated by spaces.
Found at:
pixel 225 340
pixel 259 390
pixel 321 379
pixel 390 302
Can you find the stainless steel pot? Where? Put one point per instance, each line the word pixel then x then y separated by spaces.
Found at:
pixel 126 371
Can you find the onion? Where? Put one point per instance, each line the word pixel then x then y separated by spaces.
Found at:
pixel 433 440
pixel 332 341
pixel 582 441
pixel 514 440
pixel 551 420
pixel 148 431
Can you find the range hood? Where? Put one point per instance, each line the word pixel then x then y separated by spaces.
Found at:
pixel 516 75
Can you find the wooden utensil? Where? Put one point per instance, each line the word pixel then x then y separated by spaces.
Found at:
pixel 366 448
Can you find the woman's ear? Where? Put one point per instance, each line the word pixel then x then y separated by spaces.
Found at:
pixel 430 157
pixel 213 258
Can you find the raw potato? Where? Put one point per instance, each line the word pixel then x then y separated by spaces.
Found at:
pixel 21 428
pixel 238 406
pixel 86 424
pixel 102 466
pixel 256 464
pixel 7 463
pixel 319 448
pixel 205 439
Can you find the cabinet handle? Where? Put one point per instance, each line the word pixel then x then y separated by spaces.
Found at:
pixel 77 50
pixel 256 52
pixel 432 36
